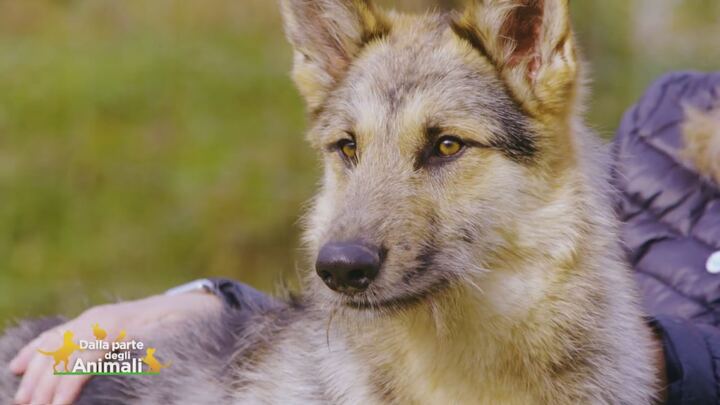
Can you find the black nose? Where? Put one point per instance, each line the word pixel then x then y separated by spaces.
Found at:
pixel 348 266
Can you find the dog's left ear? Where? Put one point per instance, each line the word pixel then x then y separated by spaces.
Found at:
pixel 531 44
pixel 326 36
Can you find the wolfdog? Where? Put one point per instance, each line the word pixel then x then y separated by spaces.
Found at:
pixel 463 237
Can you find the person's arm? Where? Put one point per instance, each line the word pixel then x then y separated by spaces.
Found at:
pixel 137 318
pixel 690 369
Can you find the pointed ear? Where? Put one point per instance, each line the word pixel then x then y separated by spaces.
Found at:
pixel 532 45
pixel 326 35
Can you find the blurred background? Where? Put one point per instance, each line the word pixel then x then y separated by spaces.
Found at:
pixel 147 143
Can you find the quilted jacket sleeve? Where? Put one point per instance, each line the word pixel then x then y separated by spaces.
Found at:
pixel 671 227
pixel 241 296
pixel 671 214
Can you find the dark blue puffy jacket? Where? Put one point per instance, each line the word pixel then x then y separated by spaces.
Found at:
pixel 671 227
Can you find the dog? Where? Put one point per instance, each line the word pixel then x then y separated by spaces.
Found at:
pixel 464 238
pixel 62 355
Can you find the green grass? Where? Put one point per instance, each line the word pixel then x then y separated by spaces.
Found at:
pixel 147 143
pixel 140 158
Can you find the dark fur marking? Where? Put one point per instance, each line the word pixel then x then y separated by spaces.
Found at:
pixel 383 253
pixel 424 261
pixel 393 97
pixel 424 154
pixel 514 139
pixel 379 379
pixel 409 84
pixel 517 140
pixel 426 258
pixel 371 36
pixel 563 39
pixel 315 113
pixel 467 236
pixel 469 33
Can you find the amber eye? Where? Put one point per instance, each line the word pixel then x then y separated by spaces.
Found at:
pixel 448 146
pixel 348 149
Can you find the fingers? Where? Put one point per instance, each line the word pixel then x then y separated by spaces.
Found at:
pixel 45 388
pixel 69 388
pixel 19 363
pixel 135 318
pixel 36 369
pixel 40 386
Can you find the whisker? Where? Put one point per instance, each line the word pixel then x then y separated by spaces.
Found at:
pixel 329 324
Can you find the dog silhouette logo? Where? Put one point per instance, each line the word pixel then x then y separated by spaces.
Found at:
pixel 62 355
pixel 121 335
pixel 114 356
pixel 153 363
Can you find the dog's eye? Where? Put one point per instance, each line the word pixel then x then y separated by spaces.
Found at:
pixel 448 146
pixel 348 148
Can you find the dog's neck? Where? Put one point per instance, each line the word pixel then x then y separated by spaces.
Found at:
pixel 536 316
pixel 457 347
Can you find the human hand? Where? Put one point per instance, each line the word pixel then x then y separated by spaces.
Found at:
pixel 134 319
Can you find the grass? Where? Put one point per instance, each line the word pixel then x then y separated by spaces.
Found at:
pixel 144 144
pixel 137 155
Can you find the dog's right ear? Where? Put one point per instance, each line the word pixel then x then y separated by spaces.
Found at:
pixel 326 35
pixel 532 45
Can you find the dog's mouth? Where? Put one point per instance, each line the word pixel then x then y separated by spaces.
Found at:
pixel 398 302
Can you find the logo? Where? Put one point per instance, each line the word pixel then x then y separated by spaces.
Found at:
pixel 121 357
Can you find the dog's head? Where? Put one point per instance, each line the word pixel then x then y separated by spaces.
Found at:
pixel 441 135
